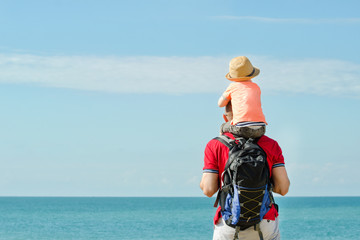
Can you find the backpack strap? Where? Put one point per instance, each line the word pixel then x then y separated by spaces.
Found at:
pixel 227 141
pixel 257 228
pixel 236 235
pixel 216 203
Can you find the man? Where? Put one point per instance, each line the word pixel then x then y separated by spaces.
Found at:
pixel 216 156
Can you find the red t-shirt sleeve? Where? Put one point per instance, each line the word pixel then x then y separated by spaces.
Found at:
pixel 210 159
pixel 273 151
pixel 278 158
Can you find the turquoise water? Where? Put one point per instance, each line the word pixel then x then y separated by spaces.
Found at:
pixel 164 218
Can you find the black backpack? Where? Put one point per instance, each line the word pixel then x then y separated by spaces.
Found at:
pixel 245 195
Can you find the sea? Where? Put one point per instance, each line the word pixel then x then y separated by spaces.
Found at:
pixel 168 218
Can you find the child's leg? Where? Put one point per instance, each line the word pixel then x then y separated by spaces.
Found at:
pixel 227 127
pixel 252 132
pixel 246 132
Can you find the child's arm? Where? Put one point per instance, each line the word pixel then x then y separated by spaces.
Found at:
pixel 223 101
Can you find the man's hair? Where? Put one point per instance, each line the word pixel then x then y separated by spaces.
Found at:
pixel 228 107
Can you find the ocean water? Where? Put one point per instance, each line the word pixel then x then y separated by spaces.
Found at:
pixel 164 218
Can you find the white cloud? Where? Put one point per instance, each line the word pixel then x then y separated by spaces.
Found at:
pixel 115 74
pixel 293 20
pixel 176 75
pixel 314 76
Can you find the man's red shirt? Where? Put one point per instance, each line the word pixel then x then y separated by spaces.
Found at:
pixel 217 154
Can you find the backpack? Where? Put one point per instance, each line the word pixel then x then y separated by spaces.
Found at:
pixel 245 195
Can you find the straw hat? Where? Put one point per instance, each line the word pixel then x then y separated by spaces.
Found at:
pixel 241 69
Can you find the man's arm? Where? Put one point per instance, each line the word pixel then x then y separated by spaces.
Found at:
pixel 280 180
pixel 209 183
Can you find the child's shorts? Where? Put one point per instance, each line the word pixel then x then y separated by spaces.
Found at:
pixel 246 132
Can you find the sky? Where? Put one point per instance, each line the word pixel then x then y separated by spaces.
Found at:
pixel 119 98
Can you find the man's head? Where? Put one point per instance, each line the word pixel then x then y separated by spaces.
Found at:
pixel 228 114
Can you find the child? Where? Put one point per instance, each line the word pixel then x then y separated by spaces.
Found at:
pixel 248 119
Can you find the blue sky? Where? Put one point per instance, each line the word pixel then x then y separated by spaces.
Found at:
pixel 119 98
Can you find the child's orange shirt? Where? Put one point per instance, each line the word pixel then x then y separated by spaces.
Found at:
pixel 245 99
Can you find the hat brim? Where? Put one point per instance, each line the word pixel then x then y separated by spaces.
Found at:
pixel 239 79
